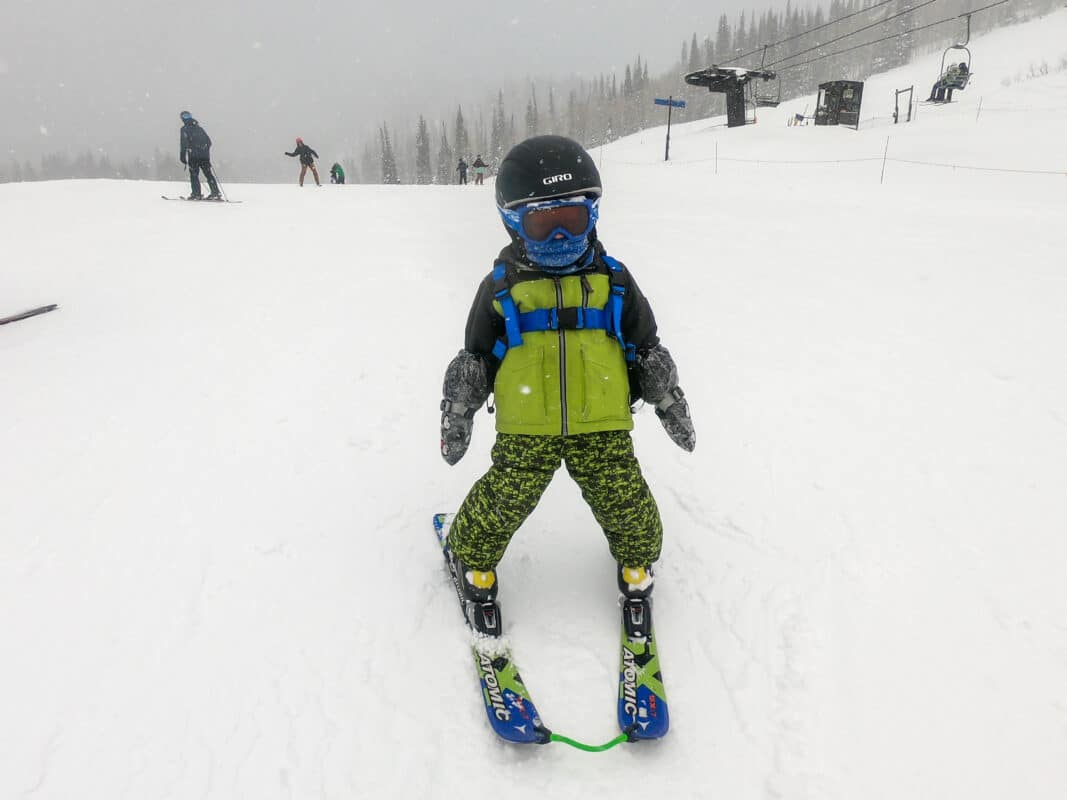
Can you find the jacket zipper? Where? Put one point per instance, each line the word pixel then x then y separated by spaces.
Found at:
pixel 562 359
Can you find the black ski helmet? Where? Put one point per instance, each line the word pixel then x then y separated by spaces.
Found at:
pixel 543 168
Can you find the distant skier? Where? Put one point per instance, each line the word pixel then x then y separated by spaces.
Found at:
pixel 194 150
pixel 307 159
pixel 461 168
pixel 337 173
pixel 565 340
pixel 479 171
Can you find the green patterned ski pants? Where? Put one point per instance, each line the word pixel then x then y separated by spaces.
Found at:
pixel 604 467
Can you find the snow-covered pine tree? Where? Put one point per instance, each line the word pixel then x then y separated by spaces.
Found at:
pixel 446 162
pixel 498 133
pixel 423 170
pixel 388 159
pixel 461 137
pixel 532 126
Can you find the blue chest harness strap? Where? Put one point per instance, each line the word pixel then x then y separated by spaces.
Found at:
pixel 502 294
pixel 608 318
pixel 618 294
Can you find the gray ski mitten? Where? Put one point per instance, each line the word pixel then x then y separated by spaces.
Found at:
pixel 466 387
pixel 657 376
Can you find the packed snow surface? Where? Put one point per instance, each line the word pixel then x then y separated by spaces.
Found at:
pixel 218 577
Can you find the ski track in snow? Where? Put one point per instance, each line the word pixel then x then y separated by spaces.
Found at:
pixel 218 577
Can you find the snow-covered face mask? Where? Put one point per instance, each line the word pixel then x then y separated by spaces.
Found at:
pixel 554 232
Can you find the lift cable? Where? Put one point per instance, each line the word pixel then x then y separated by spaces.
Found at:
pixel 886 38
pixel 805 33
pixel 908 10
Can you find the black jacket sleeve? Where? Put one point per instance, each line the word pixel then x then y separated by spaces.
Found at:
pixel 638 322
pixel 484 325
pixel 291 155
pixel 183 145
pixel 313 152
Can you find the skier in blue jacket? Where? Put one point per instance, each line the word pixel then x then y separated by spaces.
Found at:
pixel 195 152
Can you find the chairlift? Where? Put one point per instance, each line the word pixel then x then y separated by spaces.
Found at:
pixel 771 96
pixel 736 84
pixel 958 73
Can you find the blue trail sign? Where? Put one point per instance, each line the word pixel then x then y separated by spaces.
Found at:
pixel 671 103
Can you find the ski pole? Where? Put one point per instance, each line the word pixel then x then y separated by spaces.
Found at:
pixel 218 182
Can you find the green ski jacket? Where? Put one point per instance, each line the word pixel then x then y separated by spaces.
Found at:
pixel 567 380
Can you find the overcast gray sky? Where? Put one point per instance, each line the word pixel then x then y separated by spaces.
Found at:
pixel 113 74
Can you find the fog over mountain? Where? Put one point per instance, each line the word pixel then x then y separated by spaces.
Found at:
pixel 112 75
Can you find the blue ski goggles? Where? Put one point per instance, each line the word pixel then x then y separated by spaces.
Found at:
pixel 543 221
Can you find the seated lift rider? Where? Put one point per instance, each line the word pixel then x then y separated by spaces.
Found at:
pixel 955 77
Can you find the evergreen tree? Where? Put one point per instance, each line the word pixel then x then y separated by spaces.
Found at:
pixel 463 142
pixel 445 168
pixel 423 170
pixel 481 136
pixel 902 44
pixel 388 160
pixel 694 55
pixel 531 113
pixel 722 40
pixel 499 131
pixel 572 115
pixel 740 40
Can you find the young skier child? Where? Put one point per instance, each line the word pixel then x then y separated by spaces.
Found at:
pixel 562 335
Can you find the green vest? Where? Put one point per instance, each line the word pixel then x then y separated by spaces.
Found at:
pixel 563 382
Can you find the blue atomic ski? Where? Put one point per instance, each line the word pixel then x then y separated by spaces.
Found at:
pixel 511 712
pixel 642 699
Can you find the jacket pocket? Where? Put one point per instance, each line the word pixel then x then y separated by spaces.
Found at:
pixel 520 387
pixel 605 385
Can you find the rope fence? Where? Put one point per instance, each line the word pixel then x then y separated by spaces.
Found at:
pixel 861 160
pixel 980 169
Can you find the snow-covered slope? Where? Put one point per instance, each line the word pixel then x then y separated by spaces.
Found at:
pixel 217 573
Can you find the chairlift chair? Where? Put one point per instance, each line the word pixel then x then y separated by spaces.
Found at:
pixel 956 78
pixel 772 96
